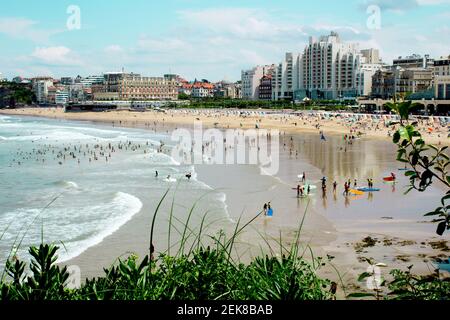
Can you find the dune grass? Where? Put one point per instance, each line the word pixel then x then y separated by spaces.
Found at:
pixel 194 272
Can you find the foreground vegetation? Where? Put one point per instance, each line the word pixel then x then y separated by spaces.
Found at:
pixel 206 274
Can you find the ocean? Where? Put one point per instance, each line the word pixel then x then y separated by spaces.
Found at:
pixel 75 183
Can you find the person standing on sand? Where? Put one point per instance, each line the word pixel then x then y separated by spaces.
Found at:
pixel 304 177
pixel 346 189
pixel 265 209
pixel 334 187
pixel 269 210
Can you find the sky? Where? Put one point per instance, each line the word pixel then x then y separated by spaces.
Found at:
pixel 202 39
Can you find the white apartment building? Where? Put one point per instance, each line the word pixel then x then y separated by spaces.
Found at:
pixel 286 77
pixel 442 78
pixel 41 90
pixel 61 97
pixel 330 68
pixel 251 80
pixel 372 56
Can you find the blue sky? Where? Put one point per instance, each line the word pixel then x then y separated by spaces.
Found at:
pixel 204 39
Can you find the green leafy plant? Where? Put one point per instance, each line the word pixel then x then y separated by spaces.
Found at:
pixel 427 163
pixel 195 272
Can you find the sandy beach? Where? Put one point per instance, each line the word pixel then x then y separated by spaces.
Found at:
pixel 433 132
pixel 334 225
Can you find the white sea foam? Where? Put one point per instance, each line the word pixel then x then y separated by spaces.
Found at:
pixel 78 227
pixel 127 204
pixel 67 184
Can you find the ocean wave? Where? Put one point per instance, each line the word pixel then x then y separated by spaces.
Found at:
pixel 222 197
pixel 78 226
pixel 126 203
pixel 67 184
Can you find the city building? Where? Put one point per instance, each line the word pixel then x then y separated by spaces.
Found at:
pixel 383 83
pixel 61 97
pixel 51 94
pixel 76 93
pixel 225 89
pixel 442 88
pixel 40 87
pixel 265 88
pixel 442 78
pixel 442 67
pixel 202 90
pixel 364 78
pixel 92 80
pixel 414 80
pixel 67 81
pixel 131 86
pixel 251 80
pixel 413 61
pixel 372 56
pixel 286 77
pixel 397 81
pixel 330 68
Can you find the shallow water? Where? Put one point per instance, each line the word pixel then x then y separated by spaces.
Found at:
pixel 386 211
pixel 87 200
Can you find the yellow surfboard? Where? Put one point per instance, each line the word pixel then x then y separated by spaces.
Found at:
pixel 356 192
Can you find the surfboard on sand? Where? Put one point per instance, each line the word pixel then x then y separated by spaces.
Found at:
pixel 356 192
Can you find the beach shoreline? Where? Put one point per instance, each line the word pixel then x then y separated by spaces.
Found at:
pixel 328 240
pixel 221 119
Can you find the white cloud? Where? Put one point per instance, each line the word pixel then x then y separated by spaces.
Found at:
pixel 432 2
pixel 114 48
pixel 21 28
pixel 242 23
pixel 56 56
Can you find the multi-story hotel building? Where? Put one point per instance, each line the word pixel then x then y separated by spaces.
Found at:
pixel 442 78
pixel 286 77
pixel 41 87
pixel 131 86
pixel 330 68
